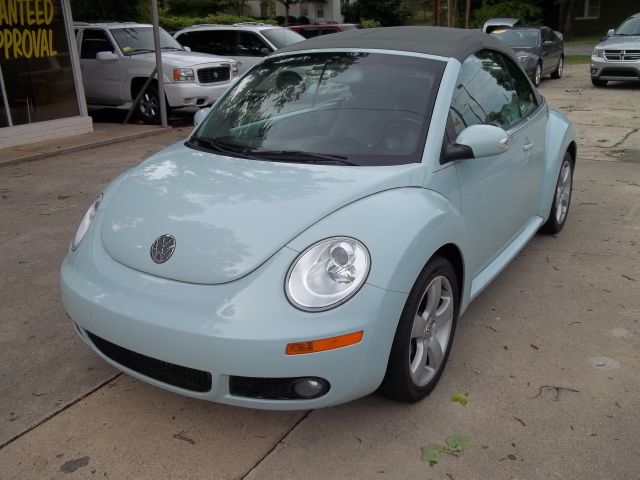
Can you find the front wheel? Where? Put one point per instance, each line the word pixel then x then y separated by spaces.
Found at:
pixel 148 109
pixel 537 75
pixel 561 199
pixel 424 334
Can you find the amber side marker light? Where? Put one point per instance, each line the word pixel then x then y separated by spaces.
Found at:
pixel 324 344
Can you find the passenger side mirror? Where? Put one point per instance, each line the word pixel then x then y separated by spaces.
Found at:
pixel 264 51
pixel 200 115
pixel 188 49
pixel 478 141
pixel 106 56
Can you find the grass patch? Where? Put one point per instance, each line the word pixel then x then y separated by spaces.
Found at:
pixel 592 40
pixel 576 59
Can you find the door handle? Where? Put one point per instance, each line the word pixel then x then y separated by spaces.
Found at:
pixel 527 146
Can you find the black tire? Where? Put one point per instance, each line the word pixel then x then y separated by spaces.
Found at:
pixel 557 73
pixel 598 83
pixel 148 108
pixel 537 75
pixel 560 209
pixel 398 383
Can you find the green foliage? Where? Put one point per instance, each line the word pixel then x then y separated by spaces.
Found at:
pixel 528 11
pixel 113 10
pixel 196 8
pixel 460 398
pixel 173 23
pixel 367 23
pixel 386 12
pixel 434 452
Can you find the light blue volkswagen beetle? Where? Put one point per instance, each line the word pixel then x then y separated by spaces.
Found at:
pixel 319 233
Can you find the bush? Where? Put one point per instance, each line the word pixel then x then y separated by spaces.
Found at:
pixel 173 23
pixel 197 8
pixel 302 20
pixel 366 23
pixel 526 11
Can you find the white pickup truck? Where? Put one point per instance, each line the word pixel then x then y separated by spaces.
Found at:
pixel 116 60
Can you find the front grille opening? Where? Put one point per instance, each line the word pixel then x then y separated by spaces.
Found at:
pixel 214 74
pixel 276 388
pixel 619 72
pixel 172 374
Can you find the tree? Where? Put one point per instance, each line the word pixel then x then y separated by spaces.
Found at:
pixel 122 10
pixel 528 11
pixel 387 12
pixel 287 5
pixel 237 6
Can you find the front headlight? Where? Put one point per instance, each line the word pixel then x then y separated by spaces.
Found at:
pixel 327 274
pixel 183 75
pixel 523 58
pixel 598 52
pixel 85 223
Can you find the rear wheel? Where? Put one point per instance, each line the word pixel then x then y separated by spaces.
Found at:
pixel 424 334
pixel 557 73
pixel 598 83
pixel 561 199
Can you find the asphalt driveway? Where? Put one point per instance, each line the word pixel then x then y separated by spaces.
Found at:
pixel 548 355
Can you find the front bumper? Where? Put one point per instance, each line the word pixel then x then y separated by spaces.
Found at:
pixel 186 94
pixel 603 69
pixel 236 329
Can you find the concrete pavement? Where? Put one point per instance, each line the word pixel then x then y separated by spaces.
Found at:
pixel 549 354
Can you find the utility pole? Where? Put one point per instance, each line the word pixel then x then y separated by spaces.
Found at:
pixel 467 22
pixel 436 12
pixel 156 40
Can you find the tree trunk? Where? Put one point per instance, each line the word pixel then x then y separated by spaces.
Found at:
pixel 286 14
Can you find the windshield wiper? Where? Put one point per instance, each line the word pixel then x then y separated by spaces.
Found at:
pixel 302 156
pixel 140 50
pixel 216 146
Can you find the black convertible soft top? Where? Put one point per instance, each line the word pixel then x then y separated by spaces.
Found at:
pixel 445 42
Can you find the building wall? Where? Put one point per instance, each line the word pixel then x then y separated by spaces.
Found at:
pixel 329 11
pixel 611 14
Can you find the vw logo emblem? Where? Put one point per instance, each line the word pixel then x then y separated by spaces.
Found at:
pixel 163 248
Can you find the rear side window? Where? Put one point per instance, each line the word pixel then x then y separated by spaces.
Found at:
pixel 215 42
pixel 94 41
pixel 490 90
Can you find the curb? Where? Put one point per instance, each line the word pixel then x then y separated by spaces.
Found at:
pixel 76 148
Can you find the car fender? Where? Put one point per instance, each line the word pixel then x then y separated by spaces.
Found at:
pixel 561 136
pixel 402 228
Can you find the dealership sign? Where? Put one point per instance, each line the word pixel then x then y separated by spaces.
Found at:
pixel 25 29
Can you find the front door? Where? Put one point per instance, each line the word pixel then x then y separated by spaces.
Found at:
pixel 100 77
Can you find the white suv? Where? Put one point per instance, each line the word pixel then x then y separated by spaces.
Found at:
pixel 247 43
pixel 117 59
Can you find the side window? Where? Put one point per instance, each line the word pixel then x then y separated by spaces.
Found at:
pixel 548 35
pixel 94 41
pixel 215 42
pixel 310 32
pixel 527 100
pixel 485 93
pixel 250 45
pixel 327 31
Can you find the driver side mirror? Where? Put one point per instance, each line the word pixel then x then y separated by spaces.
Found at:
pixel 610 32
pixel 106 56
pixel 478 141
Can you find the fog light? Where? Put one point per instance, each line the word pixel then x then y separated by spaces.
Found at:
pixel 310 387
pixel 594 70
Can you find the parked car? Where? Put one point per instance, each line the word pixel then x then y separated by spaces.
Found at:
pixel 307 244
pixel 116 59
pixel 540 50
pixel 618 57
pixel 499 24
pixel 310 31
pixel 246 43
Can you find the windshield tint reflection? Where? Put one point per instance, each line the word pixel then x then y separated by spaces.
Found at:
pixel 362 108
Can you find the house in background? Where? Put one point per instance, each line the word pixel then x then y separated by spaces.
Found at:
pixel 328 11
pixel 595 17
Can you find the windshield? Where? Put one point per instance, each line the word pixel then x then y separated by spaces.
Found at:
pixel 518 37
pixel 631 26
pixel 140 40
pixel 281 37
pixel 361 108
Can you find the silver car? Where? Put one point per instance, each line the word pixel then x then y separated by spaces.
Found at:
pixel 618 57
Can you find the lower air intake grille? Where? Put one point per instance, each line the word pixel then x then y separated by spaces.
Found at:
pixel 176 375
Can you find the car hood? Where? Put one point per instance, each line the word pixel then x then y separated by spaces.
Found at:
pixel 525 50
pixel 620 43
pixel 184 59
pixel 228 215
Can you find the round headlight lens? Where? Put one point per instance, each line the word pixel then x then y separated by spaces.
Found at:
pixel 327 274
pixel 85 223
